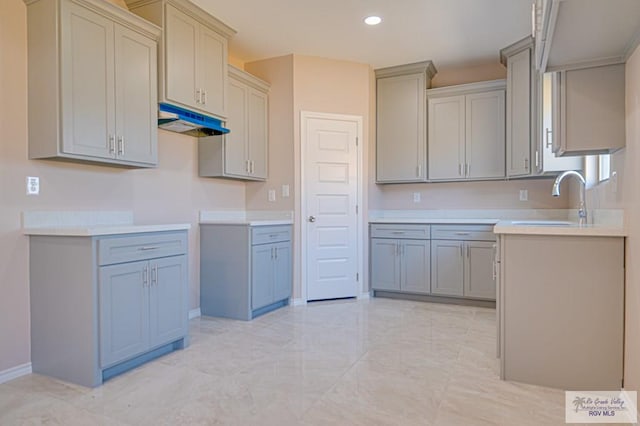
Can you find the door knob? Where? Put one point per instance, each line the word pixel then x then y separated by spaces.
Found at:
pixel 312 218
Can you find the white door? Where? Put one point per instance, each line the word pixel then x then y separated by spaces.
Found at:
pixel 330 182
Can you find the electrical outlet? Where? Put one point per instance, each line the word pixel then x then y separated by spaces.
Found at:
pixel 285 191
pixel 524 195
pixel 272 195
pixel 33 185
pixel 416 197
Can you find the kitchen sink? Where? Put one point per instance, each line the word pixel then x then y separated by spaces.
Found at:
pixel 543 223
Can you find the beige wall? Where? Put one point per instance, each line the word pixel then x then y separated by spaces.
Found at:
pixel 631 193
pixel 169 194
pixel 449 75
pixel 303 83
pixel 278 72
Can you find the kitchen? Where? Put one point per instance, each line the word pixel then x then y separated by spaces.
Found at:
pixel 81 187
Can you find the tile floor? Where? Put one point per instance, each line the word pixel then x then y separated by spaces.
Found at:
pixel 369 362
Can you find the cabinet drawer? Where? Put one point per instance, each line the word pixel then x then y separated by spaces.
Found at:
pixel 463 232
pixel 270 234
pixel 120 249
pixel 400 231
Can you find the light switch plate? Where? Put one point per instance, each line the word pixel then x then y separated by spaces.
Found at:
pixel 524 195
pixel 285 191
pixel 33 185
pixel 272 195
pixel 416 197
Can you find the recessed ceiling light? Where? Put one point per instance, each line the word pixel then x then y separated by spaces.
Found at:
pixel 372 20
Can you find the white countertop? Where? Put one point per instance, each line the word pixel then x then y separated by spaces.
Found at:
pixel 89 231
pixel 591 230
pixel 248 218
pixel 247 222
pixel 436 221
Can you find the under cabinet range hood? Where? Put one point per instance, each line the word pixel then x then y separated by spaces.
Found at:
pixel 180 120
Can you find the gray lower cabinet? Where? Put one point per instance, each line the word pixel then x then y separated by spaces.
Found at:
pixel 102 305
pixel 400 258
pixel 245 270
pixel 462 261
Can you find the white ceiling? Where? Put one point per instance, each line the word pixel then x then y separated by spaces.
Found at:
pixel 449 32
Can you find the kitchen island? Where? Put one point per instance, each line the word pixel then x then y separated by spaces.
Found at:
pixel 560 304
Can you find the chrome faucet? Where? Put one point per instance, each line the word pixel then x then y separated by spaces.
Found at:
pixel 582 210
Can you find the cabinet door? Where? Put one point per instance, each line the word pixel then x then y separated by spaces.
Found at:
pixel 519 114
pixel 212 72
pixel 262 275
pixel 446 138
pixel 181 43
pixel 282 270
pixel 485 146
pixel 88 87
pixel 236 142
pixel 400 141
pixel 124 311
pixel 167 299
pixel 447 267
pixel 385 264
pixel 136 97
pixel 415 270
pixel 258 133
pixel 478 270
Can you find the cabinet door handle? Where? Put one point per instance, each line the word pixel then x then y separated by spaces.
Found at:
pixel 459 169
pixel 271 253
pixel 461 253
pixel 548 140
pixel 467 169
pixel 145 276
pixel 112 144
pixel 468 252
pixel 537 159
pixel 526 164
pixel 275 250
pixel 247 166
pixel 120 145
pixel 419 170
pixel 198 96
pixel 204 96
pixel 154 275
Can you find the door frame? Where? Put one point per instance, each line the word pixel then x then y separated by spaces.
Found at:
pixel 301 204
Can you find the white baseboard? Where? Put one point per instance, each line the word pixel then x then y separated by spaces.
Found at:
pixel 15 372
pixel 298 302
pixel 194 313
pixel 364 296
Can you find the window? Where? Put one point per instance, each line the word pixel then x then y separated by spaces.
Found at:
pixel 604 167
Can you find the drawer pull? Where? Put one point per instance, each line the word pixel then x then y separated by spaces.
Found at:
pixel 145 248
pixel 463 233
pixel 398 232
pixel 273 235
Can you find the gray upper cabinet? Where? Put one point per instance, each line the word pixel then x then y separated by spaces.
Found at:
pixel 529 116
pixel 193 55
pixel 401 122
pixel 466 132
pixel 242 153
pixel 589 110
pixel 92 83
pixel 521 107
pixel 573 34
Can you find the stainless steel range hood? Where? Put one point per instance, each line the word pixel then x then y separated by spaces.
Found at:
pixel 180 120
